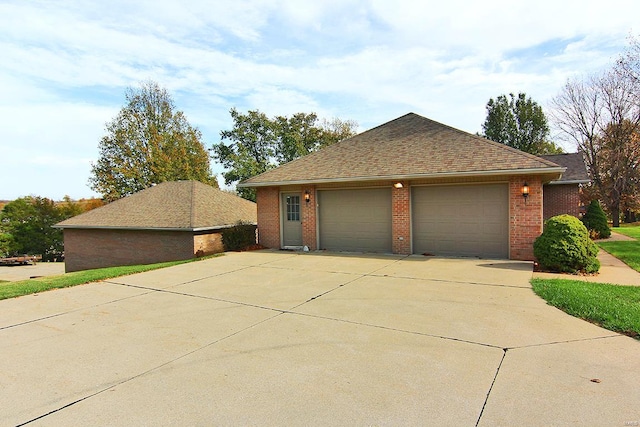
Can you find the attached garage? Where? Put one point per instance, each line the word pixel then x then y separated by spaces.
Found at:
pixel 411 185
pixel 462 220
pixel 355 220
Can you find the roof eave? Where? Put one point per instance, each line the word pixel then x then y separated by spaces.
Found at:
pixel 103 227
pixel 556 172
pixel 572 181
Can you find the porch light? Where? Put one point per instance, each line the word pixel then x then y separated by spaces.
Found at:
pixel 307 196
pixel 525 191
pixel 398 185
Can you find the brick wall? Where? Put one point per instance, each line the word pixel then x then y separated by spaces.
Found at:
pixel 561 199
pixel 87 249
pixel 207 243
pixel 268 199
pixel 309 235
pixel 401 220
pixel 525 217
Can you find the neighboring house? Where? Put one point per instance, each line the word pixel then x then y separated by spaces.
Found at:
pixel 169 221
pixel 411 185
pixel 562 196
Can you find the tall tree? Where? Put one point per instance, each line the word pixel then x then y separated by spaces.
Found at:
pixel 257 143
pixel 518 122
pixel 601 115
pixel 251 151
pixel 148 142
pixel 619 155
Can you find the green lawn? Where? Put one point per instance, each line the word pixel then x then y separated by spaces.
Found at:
pixel 631 230
pixel 32 286
pixel 626 251
pixel 613 307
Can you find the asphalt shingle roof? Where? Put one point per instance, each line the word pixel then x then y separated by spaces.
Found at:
pixel 576 168
pixel 186 205
pixel 410 146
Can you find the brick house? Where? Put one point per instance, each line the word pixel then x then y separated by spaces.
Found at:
pixel 411 185
pixel 562 196
pixel 167 222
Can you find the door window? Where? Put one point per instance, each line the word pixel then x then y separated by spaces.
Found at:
pixel 293 208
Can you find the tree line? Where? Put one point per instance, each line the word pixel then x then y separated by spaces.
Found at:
pixel 150 141
pixel 26 225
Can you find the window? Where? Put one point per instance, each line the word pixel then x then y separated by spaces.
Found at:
pixel 293 208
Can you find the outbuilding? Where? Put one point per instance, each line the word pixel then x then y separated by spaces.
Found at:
pixel 170 221
pixel 409 186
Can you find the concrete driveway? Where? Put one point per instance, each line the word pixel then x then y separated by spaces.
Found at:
pixel 281 338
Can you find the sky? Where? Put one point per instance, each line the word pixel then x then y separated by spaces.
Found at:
pixel 65 66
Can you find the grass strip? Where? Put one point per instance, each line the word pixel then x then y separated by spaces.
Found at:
pixel 32 286
pixel 626 251
pixel 613 307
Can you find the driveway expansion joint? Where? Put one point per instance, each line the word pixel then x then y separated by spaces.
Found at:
pixel 148 371
pixel 544 344
pixel 388 328
pixel 52 316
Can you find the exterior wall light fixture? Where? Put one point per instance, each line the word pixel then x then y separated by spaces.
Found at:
pixel 398 185
pixel 307 196
pixel 525 191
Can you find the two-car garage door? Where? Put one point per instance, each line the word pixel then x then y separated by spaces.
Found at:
pixel 454 220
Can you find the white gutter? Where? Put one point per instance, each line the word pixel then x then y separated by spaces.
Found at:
pixel 574 181
pixel 536 171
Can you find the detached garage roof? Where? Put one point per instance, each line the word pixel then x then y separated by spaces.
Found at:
pixel 176 205
pixel 409 147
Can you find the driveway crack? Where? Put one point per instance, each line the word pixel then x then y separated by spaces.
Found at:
pixel 486 399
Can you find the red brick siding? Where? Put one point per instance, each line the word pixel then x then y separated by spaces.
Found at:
pixel 268 199
pixel 86 249
pixel 525 217
pixel 401 220
pixel 207 244
pixel 309 235
pixel 561 199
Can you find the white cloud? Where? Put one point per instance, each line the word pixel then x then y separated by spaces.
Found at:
pixel 356 59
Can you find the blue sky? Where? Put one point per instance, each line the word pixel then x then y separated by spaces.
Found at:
pixel 66 64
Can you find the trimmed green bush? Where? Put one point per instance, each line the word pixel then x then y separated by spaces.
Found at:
pixel 565 246
pixel 596 221
pixel 238 237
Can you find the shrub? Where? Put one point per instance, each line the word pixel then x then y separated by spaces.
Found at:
pixel 596 221
pixel 565 246
pixel 239 237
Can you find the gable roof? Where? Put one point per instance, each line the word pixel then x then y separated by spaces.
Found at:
pixel 408 147
pixel 175 205
pixel 576 172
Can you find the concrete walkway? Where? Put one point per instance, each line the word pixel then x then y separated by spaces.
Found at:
pixel 280 338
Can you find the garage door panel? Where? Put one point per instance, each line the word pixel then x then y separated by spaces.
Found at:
pixel 355 220
pixel 467 220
